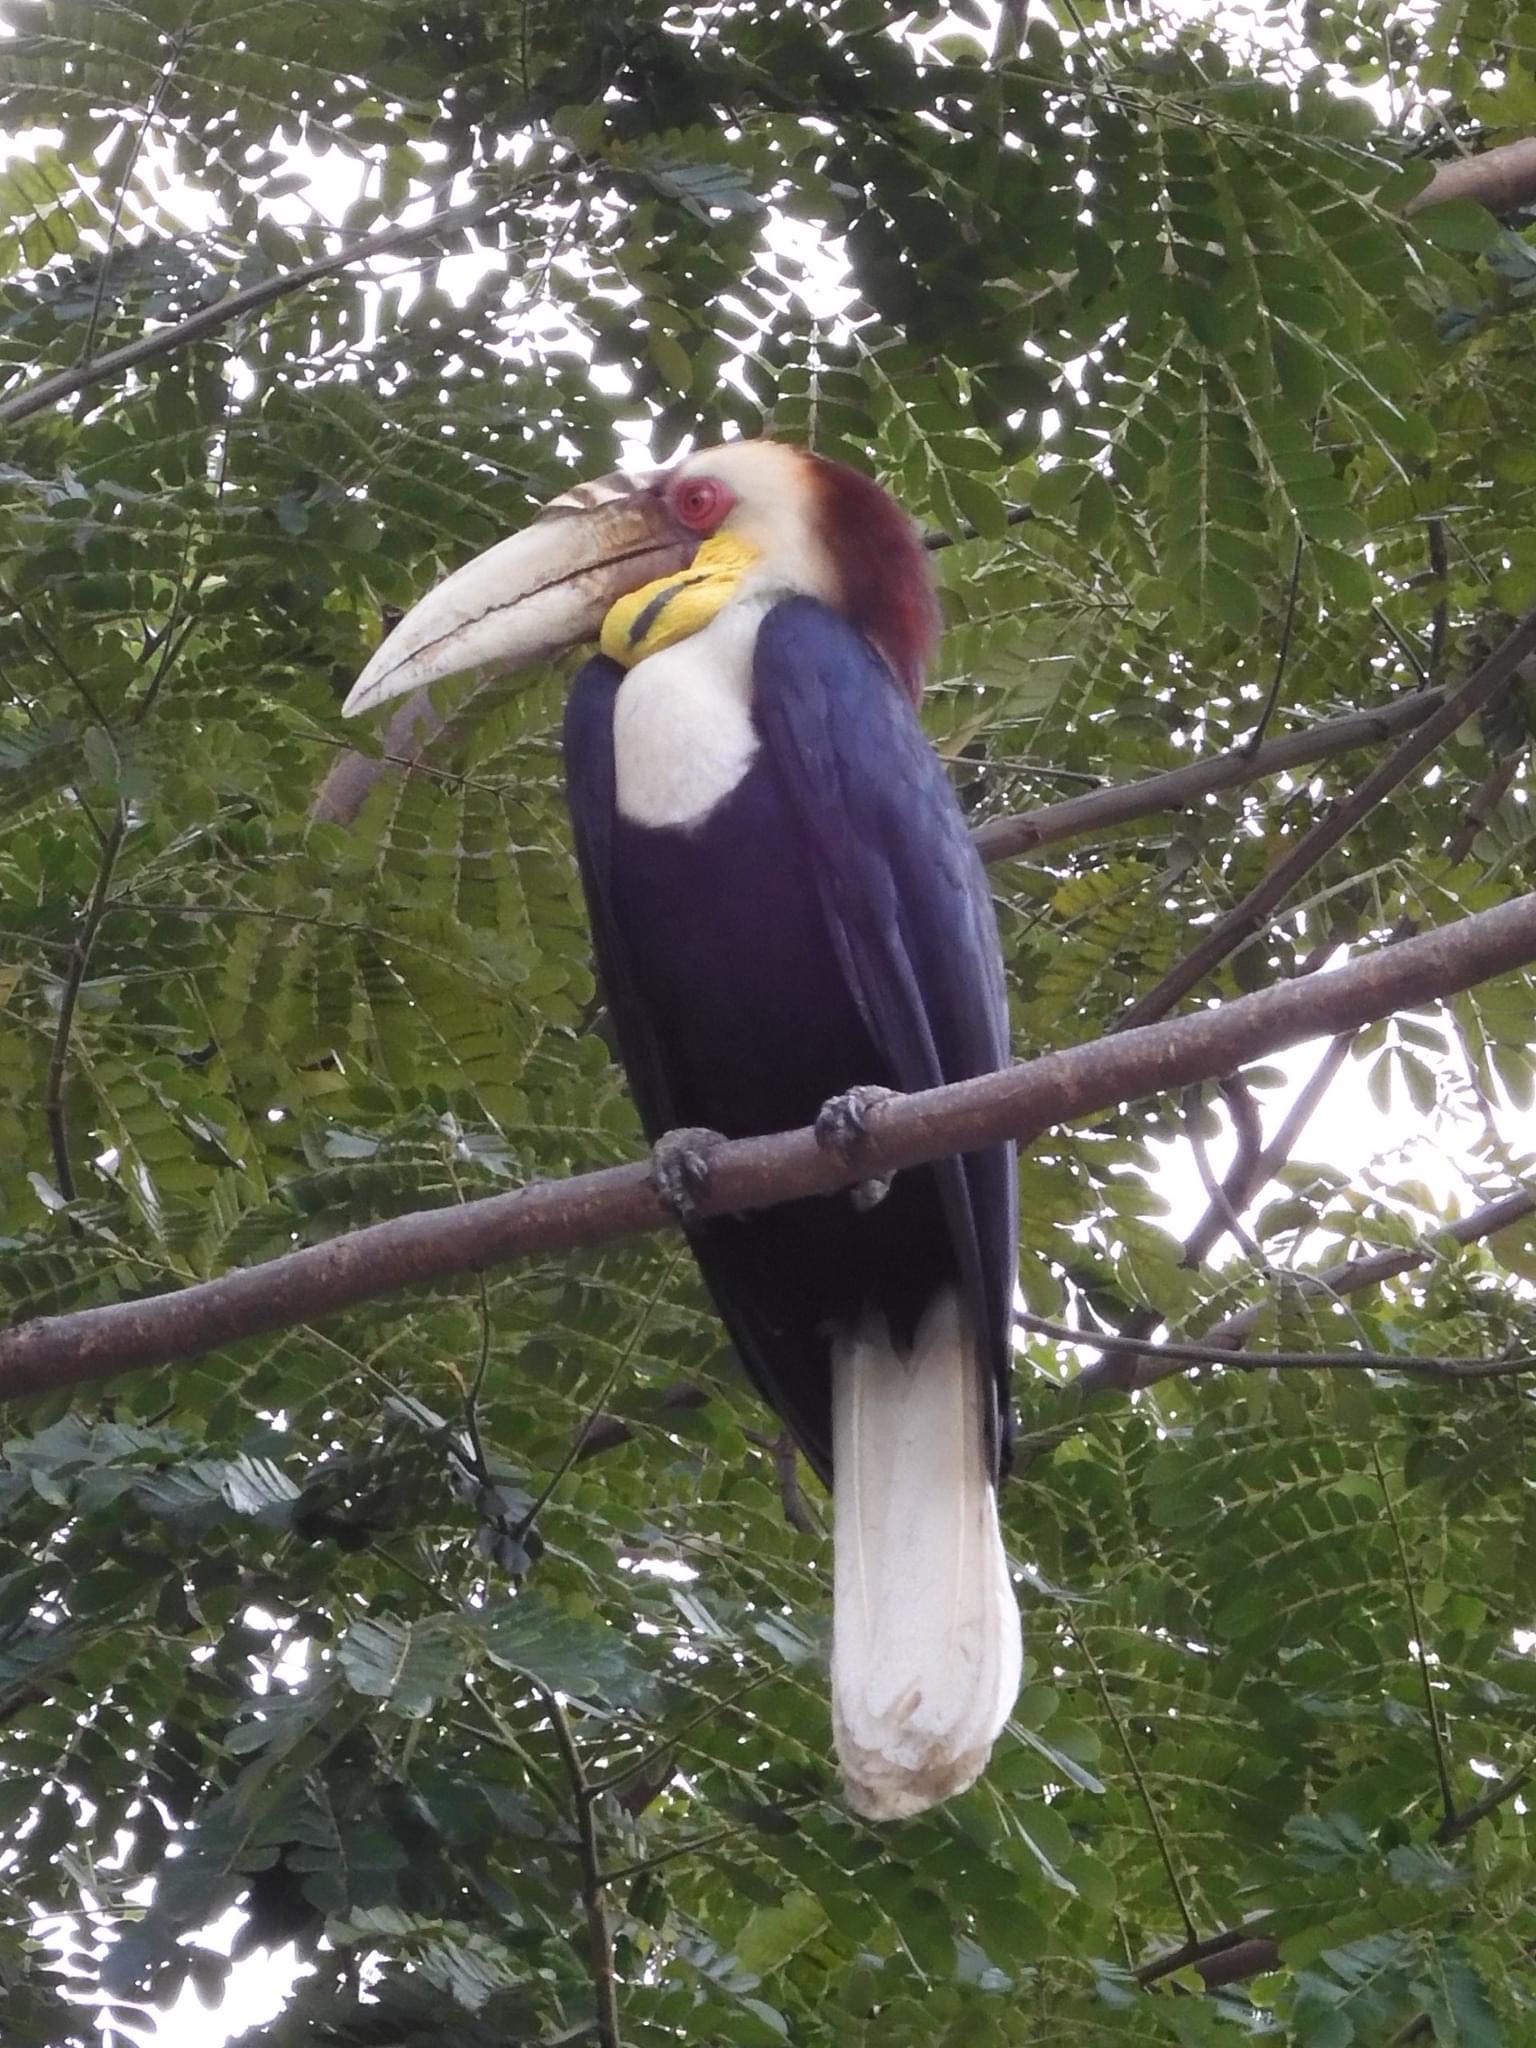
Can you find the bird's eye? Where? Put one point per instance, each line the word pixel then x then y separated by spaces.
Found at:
pixel 701 503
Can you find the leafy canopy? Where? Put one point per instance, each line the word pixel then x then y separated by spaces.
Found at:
pixel 347 1624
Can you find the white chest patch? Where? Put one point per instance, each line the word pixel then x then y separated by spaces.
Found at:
pixel 682 723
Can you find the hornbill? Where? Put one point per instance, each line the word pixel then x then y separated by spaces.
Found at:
pixel 789 919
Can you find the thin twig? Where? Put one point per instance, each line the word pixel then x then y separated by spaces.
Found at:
pixel 1244 1360
pixel 573 1449
pixel 1255 739
pixel 694 1846
pixel 69 997
pixel 30 623
pixel 168 72
pixel 1094 53
pixel 1013 515
pixel 510 1741
pixel 1455 1825
pixel 1229 931
pixel 169 643
pixel 1404 646
pixel 1165 1853
pixel 593 1898
pixel 672 1740
pixel 1420 1654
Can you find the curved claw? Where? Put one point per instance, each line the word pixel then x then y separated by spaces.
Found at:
pixel 680 1168
pixel 842 1124
pixel 842 1127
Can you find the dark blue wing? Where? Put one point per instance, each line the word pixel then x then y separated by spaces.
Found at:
pixel 908 904
pixel 589 789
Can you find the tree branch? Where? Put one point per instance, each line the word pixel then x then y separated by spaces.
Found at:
pixel 780 1446
pixel 1238 1951
pixel 752 1173
pixel 1229 931
pixel 593 1897
pixel 1455 1825
pixel 69 998
pixel 166 341
pixel 607 1432
pixel 1413 1364
pixel 1098 810
pixel 1502 179
pixel 1353 1276
pixel 1239 1961
pixel 1249 1173
pixel 416 726
pixel 1242 1164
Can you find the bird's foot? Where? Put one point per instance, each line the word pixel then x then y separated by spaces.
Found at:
pixel 869 1194
pixel 680 1167
pixel 842 1127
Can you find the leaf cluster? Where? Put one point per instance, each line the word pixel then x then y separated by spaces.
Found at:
pixel 284 1632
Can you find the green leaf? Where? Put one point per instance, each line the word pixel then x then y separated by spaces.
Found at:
pixel 408 1665
pixel 774 1933
pixel 671 358
pixel 1456 2000
pixel 275 1637
pixel 570 1653
pixel 1458 224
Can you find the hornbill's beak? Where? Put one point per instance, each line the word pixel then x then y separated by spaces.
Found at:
pixel 530 597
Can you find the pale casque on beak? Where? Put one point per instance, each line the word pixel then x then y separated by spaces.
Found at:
pixel 532 596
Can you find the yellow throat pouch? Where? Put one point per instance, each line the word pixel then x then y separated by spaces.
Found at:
pixel 658 614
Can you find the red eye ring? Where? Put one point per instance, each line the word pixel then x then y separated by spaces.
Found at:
pixel 701 502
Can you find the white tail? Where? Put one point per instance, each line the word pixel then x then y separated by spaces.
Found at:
pixel 926 1648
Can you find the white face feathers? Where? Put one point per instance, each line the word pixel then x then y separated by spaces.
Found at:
pixel 774 514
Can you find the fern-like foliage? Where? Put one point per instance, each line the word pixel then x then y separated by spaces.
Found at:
pixel 1128 304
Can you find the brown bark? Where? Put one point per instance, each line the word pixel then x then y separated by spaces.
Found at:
pixel 1099 810
pixel 1502 179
